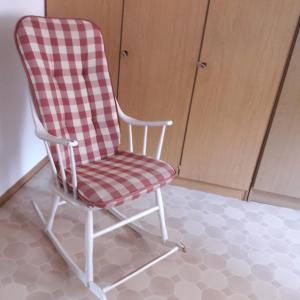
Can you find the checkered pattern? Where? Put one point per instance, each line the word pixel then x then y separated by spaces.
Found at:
pixel 67 70
pixel 119 178
pixel 66 66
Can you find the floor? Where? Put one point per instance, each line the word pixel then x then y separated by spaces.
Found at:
pixel 236 250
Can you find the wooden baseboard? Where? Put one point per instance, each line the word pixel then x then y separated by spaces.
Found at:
pixel 274 199
pixel 12 190
pixel 210 188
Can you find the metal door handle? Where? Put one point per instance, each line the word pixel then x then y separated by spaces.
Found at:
pixel 124 53
pixel 201 64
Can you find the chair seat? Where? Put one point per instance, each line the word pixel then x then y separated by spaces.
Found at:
pixel 119 178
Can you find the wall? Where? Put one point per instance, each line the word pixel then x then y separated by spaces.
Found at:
pixel 20 150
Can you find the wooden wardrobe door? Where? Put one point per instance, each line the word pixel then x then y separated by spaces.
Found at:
pixel 156 78
pixel 279 170
pixel 107 14
pixel 245 47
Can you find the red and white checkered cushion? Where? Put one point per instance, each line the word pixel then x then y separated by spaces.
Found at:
pixel 66 67
pixel 119 178
pixel 67 70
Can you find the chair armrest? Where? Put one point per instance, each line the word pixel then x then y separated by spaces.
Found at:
pixel 129 120
pixel 42 134
pixel 45 136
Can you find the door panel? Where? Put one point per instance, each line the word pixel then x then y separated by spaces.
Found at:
pixel 279 170
pixel 156 78
pixel 245 47
pixel 107 14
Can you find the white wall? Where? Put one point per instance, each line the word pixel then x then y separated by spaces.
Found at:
pixel 20 150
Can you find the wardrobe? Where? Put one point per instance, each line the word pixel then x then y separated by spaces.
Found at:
pixel 213 67
pixel 278 176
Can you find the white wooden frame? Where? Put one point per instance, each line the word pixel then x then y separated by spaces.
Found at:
pixel 62 196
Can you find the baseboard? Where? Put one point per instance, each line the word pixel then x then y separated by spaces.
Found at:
pixel 210 188
pixel 274 199
pixel 12 190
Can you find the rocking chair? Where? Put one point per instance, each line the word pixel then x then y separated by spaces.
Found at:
pixel 77 117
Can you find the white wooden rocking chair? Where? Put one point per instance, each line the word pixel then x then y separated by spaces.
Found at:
pixel 76 115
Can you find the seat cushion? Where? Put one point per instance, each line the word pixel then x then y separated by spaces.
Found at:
pixel 119 178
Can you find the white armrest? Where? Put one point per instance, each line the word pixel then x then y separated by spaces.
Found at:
pixel 45 136
pixel 131 121
pixel 51 139
pixel 42 133
pixel 136 122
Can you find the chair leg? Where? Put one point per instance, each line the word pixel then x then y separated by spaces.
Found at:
pixel 52 213
pixel 87 277
pixel 89 245
pixel 161 212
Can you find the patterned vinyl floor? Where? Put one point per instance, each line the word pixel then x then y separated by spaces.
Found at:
pixel 236 250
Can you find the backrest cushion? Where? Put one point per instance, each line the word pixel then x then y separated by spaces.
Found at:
pixel 65 63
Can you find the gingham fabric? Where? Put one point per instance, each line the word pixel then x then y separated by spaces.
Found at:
pixel 67 69
pixel 119 178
